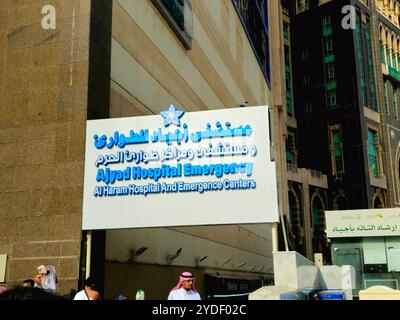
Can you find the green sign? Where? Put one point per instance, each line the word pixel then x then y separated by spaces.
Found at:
pixel 393 73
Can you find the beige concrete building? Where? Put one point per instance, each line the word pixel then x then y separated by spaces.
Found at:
pixel 122 58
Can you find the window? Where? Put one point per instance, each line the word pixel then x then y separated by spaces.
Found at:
pixel 318 218
pixel 254 18
pixel 289 153
pixel 286 31
pixel 328 45
pixel 329 65
pixel 360 60
pixel 178 14
pixel 372 152
pixel 370 64
pixel 287 56
pixel 336 149
pixel 388 55
pixel 288 80
pixel 291 157
pixel 385 92
pixel 395 105
pixel 398 56
pixel 306 80
pixel 326 21
pixel 304 54
pixel 308 108
pixel 331 97
pixel 382 52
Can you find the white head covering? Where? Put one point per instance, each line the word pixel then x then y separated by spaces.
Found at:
pixel 42 269
pixel 49 281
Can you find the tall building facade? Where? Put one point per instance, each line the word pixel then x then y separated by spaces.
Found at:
pixel 122 58
pixel 345 100
pixel 304 187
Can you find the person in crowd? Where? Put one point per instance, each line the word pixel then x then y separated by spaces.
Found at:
pixel 46 279
pixel 3 287
pixel 28 293
pixel 88 293
pixel 185 289
pixel 28 283
pixel 120 297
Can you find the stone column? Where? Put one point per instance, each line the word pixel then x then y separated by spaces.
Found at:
pixel 43 89
pixel 307 214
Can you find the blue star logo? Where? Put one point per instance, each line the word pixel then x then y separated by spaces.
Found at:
pixel 172 116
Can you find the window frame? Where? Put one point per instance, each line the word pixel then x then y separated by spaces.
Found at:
pixel 182 35
pixel 334 158
pixel 377 173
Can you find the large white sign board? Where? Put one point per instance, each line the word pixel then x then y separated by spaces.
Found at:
pixel 180 169
pixel 363 223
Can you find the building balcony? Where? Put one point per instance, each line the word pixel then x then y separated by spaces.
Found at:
pixel 311 177
pixel 379 182
pixel 391 72
pixel 372 114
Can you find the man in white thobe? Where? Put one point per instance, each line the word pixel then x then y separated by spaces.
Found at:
pixel 185 289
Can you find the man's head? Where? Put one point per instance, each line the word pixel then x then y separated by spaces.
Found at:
pixel 187 280
pixel 187 284
pixel 89 282
pixel 29 283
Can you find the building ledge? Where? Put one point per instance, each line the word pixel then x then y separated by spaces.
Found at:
pixel 307 176
pixel 292 122
pixel 379 182
pixel 372 115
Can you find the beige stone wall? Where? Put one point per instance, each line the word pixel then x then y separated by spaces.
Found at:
pixel 43 105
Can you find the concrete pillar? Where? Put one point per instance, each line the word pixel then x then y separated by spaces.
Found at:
pixel 307 219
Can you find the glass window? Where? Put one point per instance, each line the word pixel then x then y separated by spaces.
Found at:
pixel 178 14
pixel 372 153
pixel 304 54
pixel 388 57
pixel 360 60
pixel 286 30
pixel 385 91
pixel 382 53
pixel 331 71
pixel 315 216
pixel 337 150
pixel 328 45
pixel 371 72
pixel 308 107
pixel 290 149
pixel 254 18
pixel 331 99
pixel 326 21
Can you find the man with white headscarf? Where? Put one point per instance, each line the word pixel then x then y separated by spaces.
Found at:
pixel 185 289
pixel 46 279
